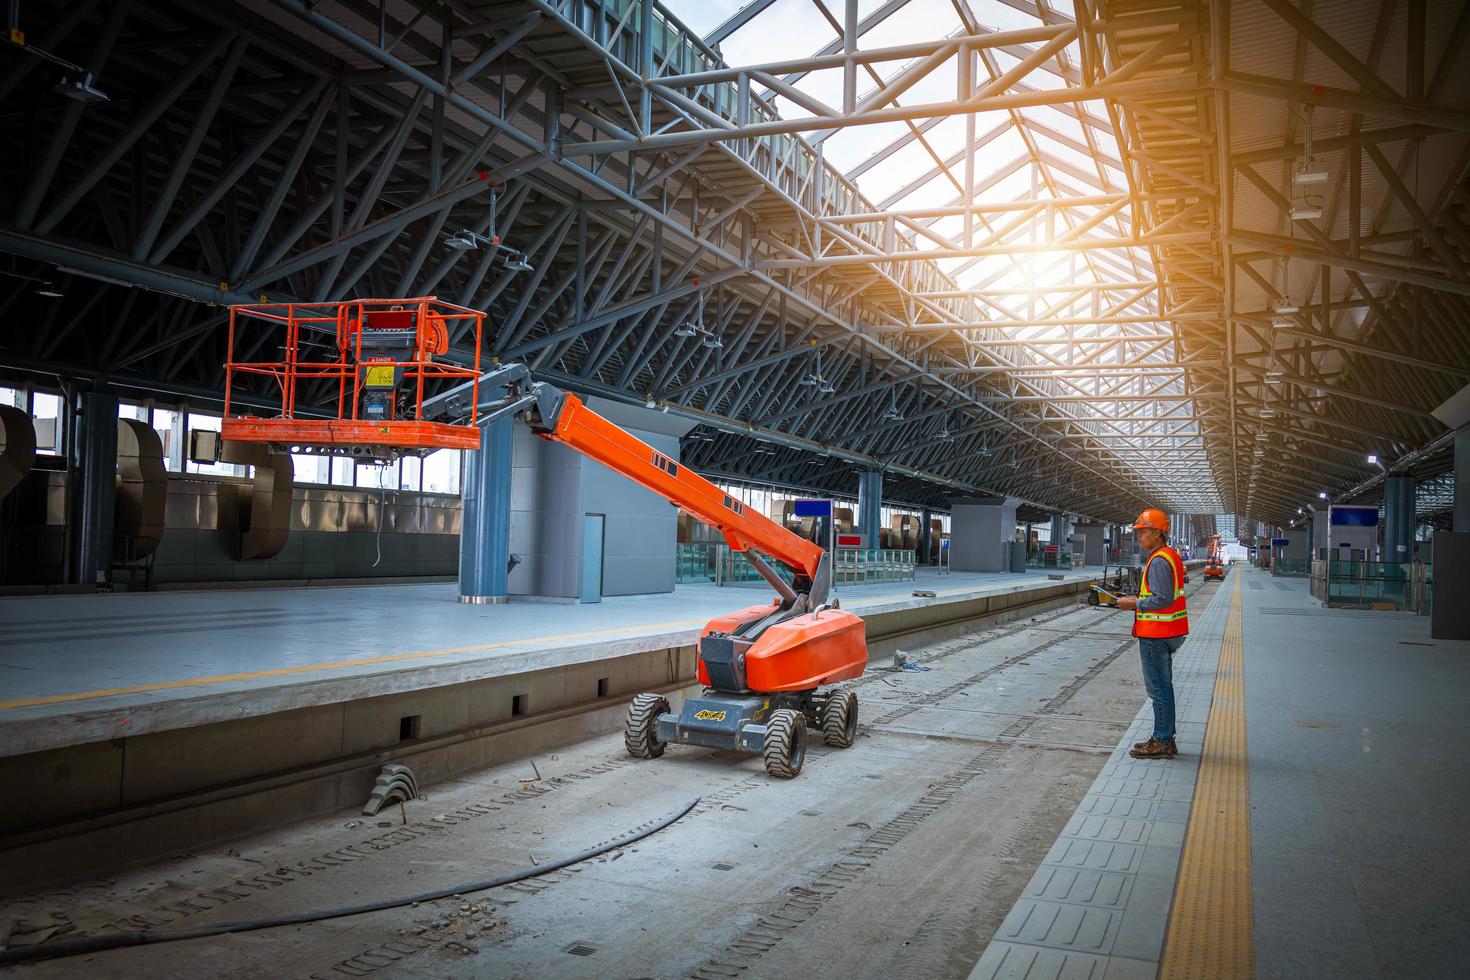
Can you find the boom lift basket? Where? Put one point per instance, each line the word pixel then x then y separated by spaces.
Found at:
pixel 380 355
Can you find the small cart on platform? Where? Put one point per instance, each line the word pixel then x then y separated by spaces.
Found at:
pixel 1116 581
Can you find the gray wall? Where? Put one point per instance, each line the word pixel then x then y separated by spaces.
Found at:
pixel 1094 552
pixel 334 534
pixel 553 487
pixel 981 529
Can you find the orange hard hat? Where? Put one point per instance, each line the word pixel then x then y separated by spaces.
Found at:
pixel 1154 518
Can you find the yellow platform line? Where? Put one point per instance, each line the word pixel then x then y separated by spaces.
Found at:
pixel 388 658
pixel 1210 928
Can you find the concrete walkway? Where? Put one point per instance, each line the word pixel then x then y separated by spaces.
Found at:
pixel 1358 771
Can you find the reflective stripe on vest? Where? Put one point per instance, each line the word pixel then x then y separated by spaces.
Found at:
pixel 1173 619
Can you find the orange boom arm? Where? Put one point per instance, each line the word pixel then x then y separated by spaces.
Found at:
pixel 592 435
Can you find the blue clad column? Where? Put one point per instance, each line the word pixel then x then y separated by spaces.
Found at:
pixel 93 476
pixel 484 535
pixel 1398 519
pixel 870 505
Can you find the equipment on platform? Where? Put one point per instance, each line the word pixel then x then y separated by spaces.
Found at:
pixel 1214 565
pixel 352 377
pixel 763 667
pixel 1116 581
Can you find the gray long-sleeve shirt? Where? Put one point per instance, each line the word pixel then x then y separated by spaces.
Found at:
pixel 1161 584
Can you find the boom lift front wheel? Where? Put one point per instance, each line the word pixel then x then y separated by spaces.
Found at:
pixel 641 733
pixel 840 719
pixel 784 749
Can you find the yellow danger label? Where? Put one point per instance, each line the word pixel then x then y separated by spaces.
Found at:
pixel 708 715
pixel 379 376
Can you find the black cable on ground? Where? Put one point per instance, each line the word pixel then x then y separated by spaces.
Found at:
pixel 120 940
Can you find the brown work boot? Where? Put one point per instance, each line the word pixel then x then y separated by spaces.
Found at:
pixel 1153 749
pixel 1173 747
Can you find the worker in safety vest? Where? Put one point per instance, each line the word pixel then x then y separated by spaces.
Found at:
pixel 1161 623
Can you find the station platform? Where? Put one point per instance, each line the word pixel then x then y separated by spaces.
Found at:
pixel 1313 824
pixel 192 717
pixel 90 668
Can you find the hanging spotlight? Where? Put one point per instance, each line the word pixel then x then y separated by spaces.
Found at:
pixel 688 328
pixel 48 289
pixel 711 340
pixel 1310 172
pixel 891 413
pixel 515 261
pixel 826 387
pixel 462 240
pixel 78 87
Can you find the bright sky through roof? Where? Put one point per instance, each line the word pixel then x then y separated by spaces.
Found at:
pixel 1033 153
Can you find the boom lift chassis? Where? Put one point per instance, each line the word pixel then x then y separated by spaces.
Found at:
pixel 764 668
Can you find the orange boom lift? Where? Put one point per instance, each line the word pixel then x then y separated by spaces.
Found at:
pixel 764 666
pixel 379 357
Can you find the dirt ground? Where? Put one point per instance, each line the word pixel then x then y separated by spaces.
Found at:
pixel 897 857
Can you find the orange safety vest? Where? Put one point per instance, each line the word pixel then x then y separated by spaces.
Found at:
pixel 1173 619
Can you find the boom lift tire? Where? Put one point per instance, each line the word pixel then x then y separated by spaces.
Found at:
pixel 641 733
pixel 840 719
pixel 784 748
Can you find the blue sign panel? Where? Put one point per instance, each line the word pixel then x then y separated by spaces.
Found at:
pixel 1354 516
pixel 1280 542
pixel 813 508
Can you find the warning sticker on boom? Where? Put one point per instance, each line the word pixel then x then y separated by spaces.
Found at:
pixel 708 715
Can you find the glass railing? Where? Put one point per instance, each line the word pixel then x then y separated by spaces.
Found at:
pixel 865 566
pixel 713 561
pixel 1291 567
pixel 1407 586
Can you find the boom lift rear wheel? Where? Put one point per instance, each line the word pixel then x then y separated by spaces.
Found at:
pixel 785 743
pixel 641 733
pixel 840 719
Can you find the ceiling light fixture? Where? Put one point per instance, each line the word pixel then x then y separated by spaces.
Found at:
pixel 78 87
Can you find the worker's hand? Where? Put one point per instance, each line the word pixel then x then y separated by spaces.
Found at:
pixel 1127 603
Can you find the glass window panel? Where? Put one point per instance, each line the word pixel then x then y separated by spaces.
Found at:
pixel 342 471
pixel 169 426
pixel 48 406
pixel 210 423
pixel 311 469
pixel 411 472
pixel 441 471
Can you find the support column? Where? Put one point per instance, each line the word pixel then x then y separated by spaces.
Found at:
pixel 1462 479
pixel 925 536
pixel 1059 530
pixel 1449 619
pixel 484 536
pixel 1398 519
pixel 1094 552
pixel 870 505
pixel 93 477
pixel 981 532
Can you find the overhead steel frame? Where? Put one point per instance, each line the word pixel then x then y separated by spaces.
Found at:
pixel 1377 337
pixel 622 210
pixel 341 202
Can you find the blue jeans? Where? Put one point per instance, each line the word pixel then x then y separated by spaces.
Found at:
pixel 1158 680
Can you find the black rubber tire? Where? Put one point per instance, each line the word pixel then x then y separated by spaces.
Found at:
pixel 784 749
pixel 641 734
pixel 840 719
pixel 1092 599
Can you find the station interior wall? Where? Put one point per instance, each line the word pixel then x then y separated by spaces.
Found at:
pixel 981 531
pixel 553 487
pixel 334 533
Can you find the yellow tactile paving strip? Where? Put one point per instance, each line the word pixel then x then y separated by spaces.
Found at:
pixel 1210 928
